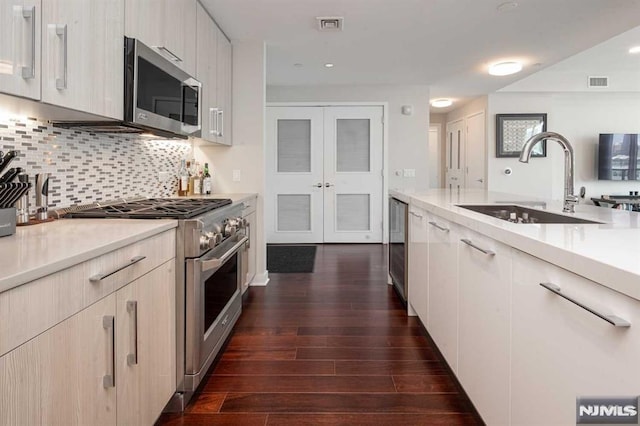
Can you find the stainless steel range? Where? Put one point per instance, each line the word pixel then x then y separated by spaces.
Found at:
pixel 210 237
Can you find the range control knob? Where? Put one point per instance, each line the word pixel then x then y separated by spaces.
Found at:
pixel 241 222
pixel 210 240
pixel 230 228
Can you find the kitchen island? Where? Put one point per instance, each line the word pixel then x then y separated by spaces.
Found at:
pixel 529 317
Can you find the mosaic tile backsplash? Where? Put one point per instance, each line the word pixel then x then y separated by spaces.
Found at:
pixel 86 167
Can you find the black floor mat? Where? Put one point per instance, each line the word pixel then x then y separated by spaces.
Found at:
pixel 290 259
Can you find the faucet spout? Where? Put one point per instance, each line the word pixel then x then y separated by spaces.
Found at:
pixel 570 200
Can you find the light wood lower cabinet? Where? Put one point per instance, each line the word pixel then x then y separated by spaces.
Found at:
pixel 145 330
pixel 484 306
pixel 561 351
pixel 442 309
pixel 418 262
pixel 80 371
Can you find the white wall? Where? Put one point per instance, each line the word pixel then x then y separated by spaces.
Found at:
pixel 247 152
pixel 580 117
pixel 407 144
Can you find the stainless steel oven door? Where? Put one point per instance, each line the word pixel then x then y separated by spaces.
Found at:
pixel 213 303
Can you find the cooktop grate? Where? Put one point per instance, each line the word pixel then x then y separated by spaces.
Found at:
pixel 153 208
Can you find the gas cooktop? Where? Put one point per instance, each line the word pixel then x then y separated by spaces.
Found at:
pixel 152 208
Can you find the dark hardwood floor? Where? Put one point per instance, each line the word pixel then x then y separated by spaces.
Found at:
pixel 334 347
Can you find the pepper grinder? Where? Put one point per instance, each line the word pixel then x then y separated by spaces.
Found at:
pixel 22 206
pixel 42 196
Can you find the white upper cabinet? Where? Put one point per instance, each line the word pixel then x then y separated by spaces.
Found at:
pixel 224 80
pixel 168 26
pixel 214 72
pixel 82 55
pixel 206 45
pixel 20 47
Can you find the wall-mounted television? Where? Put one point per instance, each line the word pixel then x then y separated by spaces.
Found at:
pixel 619 156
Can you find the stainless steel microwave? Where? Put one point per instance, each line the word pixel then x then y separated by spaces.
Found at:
pixel 158 95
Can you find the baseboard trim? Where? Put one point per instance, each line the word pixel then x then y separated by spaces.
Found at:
pixel 260 280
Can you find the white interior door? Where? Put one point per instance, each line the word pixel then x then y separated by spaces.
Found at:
pixel 353 174
pixel 455 155
pixel 435 160
pixel 475 151
pixel 294 198
pixel 324 174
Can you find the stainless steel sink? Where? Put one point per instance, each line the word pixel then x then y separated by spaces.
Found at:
pixel 519 214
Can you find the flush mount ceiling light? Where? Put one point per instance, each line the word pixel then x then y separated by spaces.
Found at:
pixel 330 23
pixel 635 49
pixel 505 7
pixel 441 103
pixel 328 65
pixel 505 68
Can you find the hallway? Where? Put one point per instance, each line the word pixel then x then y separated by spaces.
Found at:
pixel 327 348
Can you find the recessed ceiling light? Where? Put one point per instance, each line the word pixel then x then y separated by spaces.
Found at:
pixel 328 65
pixel 504 7
pixel 635 49
pixel 441 103
pixel 505 68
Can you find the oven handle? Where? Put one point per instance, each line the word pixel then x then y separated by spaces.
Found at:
pixel 214 263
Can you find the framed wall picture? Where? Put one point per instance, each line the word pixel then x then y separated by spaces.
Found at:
pixel 513 130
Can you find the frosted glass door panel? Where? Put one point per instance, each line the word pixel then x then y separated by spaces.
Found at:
pixel 353 212
pixel 294 146
pixel 353 199
pixel 353 145
pixel 293 203
pixel 294 212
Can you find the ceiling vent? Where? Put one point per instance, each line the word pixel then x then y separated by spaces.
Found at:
pixel 598 82
pixel 330 23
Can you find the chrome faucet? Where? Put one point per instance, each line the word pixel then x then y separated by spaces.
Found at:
pixel 570 200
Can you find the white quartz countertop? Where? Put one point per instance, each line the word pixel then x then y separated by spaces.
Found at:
pixel 38 250
pixel 607 253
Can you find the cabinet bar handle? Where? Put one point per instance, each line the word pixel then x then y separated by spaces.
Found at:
pixel 419 216
pixel 100 277
pixel 221 126
pixel 442 228
pixel 480 249
pixel 30 72
pixel 248 246
pixel 109 380
pixel 61 31
pixel 614 320
pixel 132 306
pixel 213 117
pixel 170 54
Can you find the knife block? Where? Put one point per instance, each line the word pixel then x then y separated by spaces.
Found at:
pixel 7 221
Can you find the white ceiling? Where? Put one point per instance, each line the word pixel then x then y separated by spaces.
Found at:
pixel 446 44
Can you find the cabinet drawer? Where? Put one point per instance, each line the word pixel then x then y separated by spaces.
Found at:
pixel 561 351
pixel 34 307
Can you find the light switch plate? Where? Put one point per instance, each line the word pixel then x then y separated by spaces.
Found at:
pixel 236 175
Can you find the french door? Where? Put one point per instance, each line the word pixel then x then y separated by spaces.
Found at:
pixel 324 174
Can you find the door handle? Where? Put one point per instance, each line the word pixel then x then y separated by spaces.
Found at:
pixel 213 117
pixel 61 31
pixel 480 180
pixel 318 185
pixel 221 125
pixel 327 185
pixel 30 71
pixel 108 323
pixel 132 306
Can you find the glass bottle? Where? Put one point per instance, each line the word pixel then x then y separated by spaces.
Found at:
pixel 206 180
pixel 183 179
